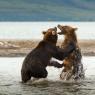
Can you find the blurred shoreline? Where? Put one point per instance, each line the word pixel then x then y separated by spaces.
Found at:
pixel 20 48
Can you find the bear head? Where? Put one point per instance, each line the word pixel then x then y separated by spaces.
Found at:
pixel 50 35
pixel 66 30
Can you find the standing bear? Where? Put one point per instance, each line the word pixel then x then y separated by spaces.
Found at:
pixel 38 59
pixel 73 66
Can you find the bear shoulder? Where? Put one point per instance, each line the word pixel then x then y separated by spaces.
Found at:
pixel 41 44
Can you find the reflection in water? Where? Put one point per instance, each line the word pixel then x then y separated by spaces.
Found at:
pixel 10 83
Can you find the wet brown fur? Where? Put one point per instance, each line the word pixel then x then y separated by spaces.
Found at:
pixel 75 57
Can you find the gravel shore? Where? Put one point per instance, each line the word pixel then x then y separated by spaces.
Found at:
pixel 17 48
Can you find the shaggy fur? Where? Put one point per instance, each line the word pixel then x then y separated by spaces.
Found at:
pixel 38 59
pixel 72 63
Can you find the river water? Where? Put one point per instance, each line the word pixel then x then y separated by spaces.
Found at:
pixel 33 30
pixel 10 80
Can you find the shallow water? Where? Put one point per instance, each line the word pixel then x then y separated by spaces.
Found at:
pixel 33 30
pixel 10 81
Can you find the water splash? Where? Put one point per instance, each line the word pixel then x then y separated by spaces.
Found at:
pixel 69 75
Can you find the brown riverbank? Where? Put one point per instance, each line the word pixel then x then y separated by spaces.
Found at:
pixel 14 48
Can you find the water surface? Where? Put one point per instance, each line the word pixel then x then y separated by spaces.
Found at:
pixel 10 81
pixel 33 30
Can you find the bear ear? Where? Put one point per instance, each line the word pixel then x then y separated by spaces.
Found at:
pixel 55 28
pixel 75 29
pixel 58 25
pixel 44 32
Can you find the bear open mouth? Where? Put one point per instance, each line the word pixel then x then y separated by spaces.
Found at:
pixel 60 33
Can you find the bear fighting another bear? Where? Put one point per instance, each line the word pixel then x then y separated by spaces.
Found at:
pixel 38 59
pixel 73 66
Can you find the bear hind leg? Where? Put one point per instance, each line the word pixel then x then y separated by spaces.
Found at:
pixel 25 75
pixel 41 73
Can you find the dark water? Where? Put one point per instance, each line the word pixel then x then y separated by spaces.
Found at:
pixel 10 82
pixel 47 10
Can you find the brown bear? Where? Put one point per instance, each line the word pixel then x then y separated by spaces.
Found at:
pixel 73 66
pixel 38 59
